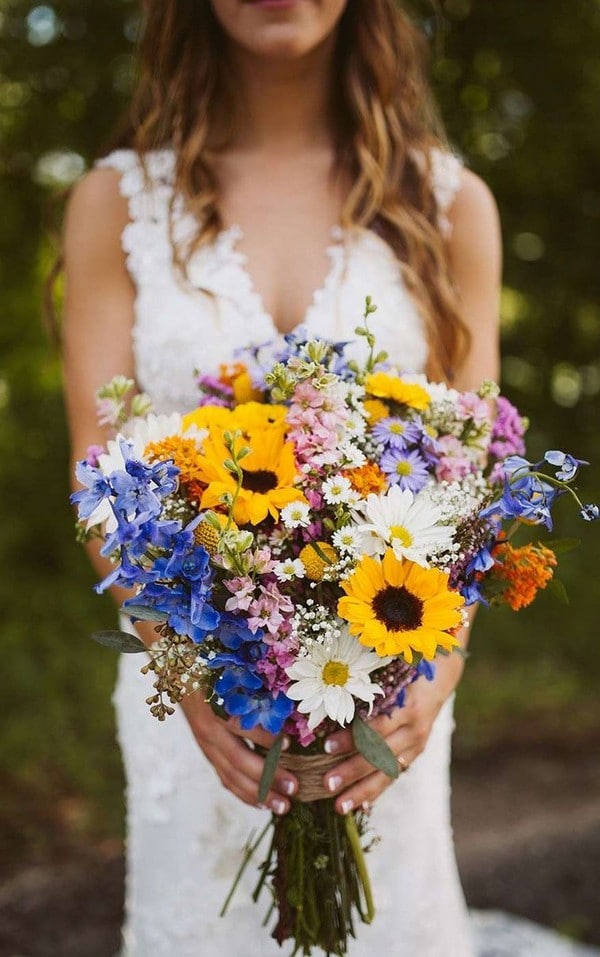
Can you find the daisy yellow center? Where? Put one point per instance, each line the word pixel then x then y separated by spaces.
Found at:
pixel 262 480
pixel 335 673
pixel 404 468
pixel 401 534
pixel 397 428
pixel 398 609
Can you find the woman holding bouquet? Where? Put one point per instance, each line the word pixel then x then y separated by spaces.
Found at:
pixel 280 161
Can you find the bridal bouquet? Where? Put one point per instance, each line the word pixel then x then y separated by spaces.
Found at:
pixel 307 541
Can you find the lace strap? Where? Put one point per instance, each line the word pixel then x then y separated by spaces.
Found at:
pixel 446 171
pixel 145 185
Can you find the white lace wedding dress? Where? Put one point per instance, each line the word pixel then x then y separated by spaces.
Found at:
pixel 185 832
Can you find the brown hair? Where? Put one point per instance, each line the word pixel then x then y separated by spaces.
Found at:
pixel 387 126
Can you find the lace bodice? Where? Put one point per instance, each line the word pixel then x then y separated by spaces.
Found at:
pixel 184 325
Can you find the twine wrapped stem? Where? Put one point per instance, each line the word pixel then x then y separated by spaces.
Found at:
pixel 309 769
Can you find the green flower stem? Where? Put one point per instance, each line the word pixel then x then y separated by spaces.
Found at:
pixel 361 865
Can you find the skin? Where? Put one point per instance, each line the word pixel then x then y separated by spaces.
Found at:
pixel 281 62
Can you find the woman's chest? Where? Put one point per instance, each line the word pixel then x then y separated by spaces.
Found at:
pixel 286 212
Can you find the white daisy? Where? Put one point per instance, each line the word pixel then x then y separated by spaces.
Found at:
pixel 295 515
pixel 337 490
pixel 410 524
pixel 288 569
pixel 155 428
pixel 347 540
pixel 353 457
pixel 330 677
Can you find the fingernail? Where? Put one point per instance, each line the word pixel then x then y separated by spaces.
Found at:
pixel 285 743
pixel 278 807
pixel 347 806
pixel 331 746
pixel 334 782
pixel 289 787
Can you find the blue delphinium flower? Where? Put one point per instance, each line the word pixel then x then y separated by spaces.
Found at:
pixel 567 465
pixel 406 469
pixel 528 498
pixel 590 513
pixel 97 489
pixel 396 433
pixel 271 711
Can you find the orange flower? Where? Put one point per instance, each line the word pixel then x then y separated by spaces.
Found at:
pixel 526 570
pixel 366 479
pixel 184 453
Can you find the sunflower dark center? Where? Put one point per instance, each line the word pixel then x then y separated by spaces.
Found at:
pixel 398 609
pixel 260 481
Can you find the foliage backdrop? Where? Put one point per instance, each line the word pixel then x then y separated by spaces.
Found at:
pixel 519 85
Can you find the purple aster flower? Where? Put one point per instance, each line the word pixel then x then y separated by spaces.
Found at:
pixel 396 433
pixel 406 469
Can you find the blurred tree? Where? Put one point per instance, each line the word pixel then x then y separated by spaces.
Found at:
pixel 519 86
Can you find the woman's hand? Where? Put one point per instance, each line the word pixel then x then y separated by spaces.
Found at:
pixel 406 731
pixel 238 767
pixel 223 744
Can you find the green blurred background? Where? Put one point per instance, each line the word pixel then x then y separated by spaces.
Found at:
pixel 519 86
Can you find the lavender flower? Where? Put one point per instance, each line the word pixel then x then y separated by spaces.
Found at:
pixel 406 469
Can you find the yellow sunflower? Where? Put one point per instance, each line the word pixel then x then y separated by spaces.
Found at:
pixel 246 417
pixel 269 475
pixel 398 607
pixel 385 386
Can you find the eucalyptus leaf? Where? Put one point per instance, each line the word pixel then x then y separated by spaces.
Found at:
pixel 271 762
pixel 143 613
pixel 557 587
pixel 373 747
pixel 119 641
pixel 562 545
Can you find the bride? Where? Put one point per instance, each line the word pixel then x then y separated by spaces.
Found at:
pixel 280 161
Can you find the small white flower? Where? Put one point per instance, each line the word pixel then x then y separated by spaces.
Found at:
pixel 295 515
pixel 347 540
pixel 288 569
pixel 337 490
pixel 328 679
pixel 410 524
pixel 354 457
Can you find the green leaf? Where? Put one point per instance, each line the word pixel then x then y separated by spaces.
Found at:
pixel 557 587
pixel 119 641
pixel 271 761
pixel 373 747
pixel 144 613
pixel 562 545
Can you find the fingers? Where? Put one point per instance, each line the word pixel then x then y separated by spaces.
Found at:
pixel 240 770
pixel 369 788
pixel 342 742
pixel 256 735
pixel 407 741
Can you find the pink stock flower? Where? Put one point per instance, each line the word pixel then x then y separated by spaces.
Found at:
pixel 297 727
pixel 92 453
pixel 474 407
pixel 453 463
pixel 242 590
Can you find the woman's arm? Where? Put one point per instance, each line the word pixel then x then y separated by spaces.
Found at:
pixel 475 254
pixel 97 346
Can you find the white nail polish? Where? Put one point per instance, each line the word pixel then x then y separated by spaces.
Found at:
pixel 289 787
pixel 331 747
pixel 347 806
pixel 278 807
pixel 334 782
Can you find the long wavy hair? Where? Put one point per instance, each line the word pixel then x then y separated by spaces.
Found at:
pixel 386 126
